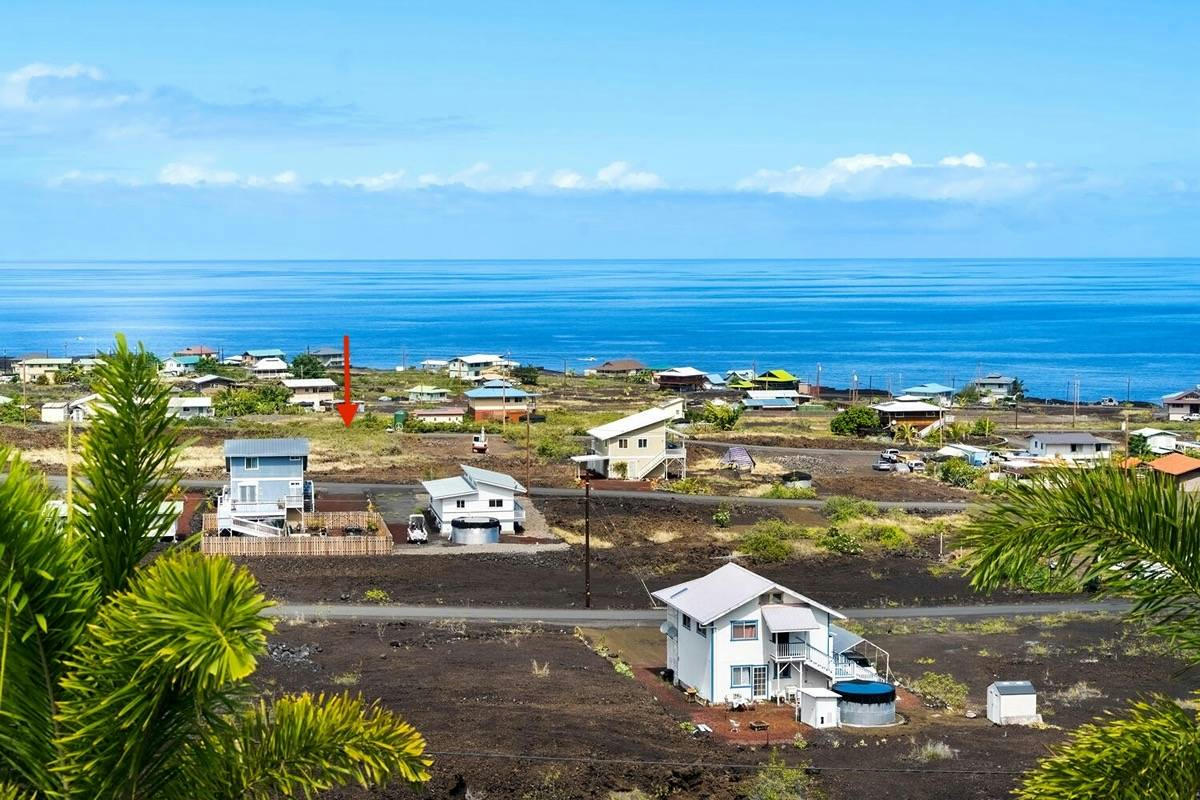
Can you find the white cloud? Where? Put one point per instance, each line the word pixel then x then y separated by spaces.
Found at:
pixel 374 183
pixel 481 177
pixel 184 174
pixel 620 175
pixel 77 176
pixel 868 176
pixel 973 160
pixel 567 179
pixel 18 89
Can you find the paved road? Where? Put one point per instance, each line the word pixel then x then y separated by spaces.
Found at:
pixel 335 487
pixel 638 617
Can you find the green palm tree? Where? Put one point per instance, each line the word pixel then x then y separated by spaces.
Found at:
pixel 119 680
pixel 905 434
pixel 1136 537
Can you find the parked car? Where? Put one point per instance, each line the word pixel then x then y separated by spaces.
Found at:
pixel 1191 418
pixel 883 465
pixel 891 455
pixel 1109 402
pixel 916 465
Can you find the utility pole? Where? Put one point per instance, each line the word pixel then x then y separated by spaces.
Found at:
pixel 818 381
pixel 587 544
pixel 1127 384
pixel 528 460
pixel 564 372
pixel 70 465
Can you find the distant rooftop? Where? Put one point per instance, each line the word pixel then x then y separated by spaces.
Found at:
pixel 237 448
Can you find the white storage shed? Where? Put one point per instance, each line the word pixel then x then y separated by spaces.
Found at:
pixel 819 707
pixel 1012 703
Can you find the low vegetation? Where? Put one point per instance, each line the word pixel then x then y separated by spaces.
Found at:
pixel 855 421
pixel 957 472
pixel 844 509
pixel 780 492
pixel 690 486
pixel 932 751
pixel 940 690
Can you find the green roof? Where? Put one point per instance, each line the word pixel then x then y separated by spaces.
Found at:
pixel 777 375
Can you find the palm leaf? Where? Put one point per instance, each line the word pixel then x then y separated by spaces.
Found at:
pixel 1130 535
pixel 1152 753
pixel 161 662
pixel 127 469
pixel 48 599
pixel 301 745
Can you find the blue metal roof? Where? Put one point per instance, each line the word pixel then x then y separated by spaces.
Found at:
pixel 485 393
pixel 929 388
pixel 265 448
pixel 265 353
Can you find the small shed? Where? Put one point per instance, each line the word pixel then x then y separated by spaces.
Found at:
pixel 738 459
pixel 819 707
pixel 1012 703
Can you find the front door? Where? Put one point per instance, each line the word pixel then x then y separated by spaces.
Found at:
pixel 758 681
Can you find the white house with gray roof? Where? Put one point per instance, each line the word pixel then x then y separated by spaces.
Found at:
pixel 638 446
pixel 735 636
pixel 476 493
pixel 1069 446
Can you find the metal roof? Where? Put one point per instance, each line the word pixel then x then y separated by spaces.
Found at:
pixel 310 383
pixel 786 619
pixel 634 422
pixel 723 590
pixel 1013 687
pixel 264 353
pixel 738 455
pixel 843 639
pixel 929 388
pixel 270 364
pixel 769 402
pixel 1068 438
pixel 621 365
pixel 491 478
pixel 490 393
pixel 900 406
pixel 237 448
pixel 448 487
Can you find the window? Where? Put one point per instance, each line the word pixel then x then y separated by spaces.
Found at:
pixel 739 677
pixel 495 504
pixel 622 444
pixel 460 503
pixel 770 597
pixel 1074 448
pixel 643 444
pixel 251 462
pixel 687 622
pixel 743 630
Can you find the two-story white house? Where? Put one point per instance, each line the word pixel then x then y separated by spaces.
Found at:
pixel 314 393
pixel 994 386
pixel 1182 405
pixel 267 494
pixel 270 369
pixel 476 493
pixel 1071 446
pixel 637 447
pixel 473 367
pixel 734 636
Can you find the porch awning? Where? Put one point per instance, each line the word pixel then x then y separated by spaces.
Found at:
pixel 843 639
pixel 786 618
pixel 591 458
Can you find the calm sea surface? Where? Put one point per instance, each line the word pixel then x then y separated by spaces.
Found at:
pixel 893 322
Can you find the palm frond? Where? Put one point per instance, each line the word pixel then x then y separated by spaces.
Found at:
pixel 1130 535
pixel 1152 752
pixel 48 599
pixel 127 469
pixel 11 791
pixel 301 745
pixel 160 663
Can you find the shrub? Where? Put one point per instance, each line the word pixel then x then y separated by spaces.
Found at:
pixel 377 596
pixel 722 417
pixel 940 690
pixel 843 509
pixel 983 427
pixel 781 528
pixel 622 668
pixel 689 486
pixel 841 542
pixel 527 375
pixel 554 445
pixel 722 516
pixel 957 472
pixel 855 421
pixel 933 751
pixel 764 546
pixel 780 492
pixel 778 781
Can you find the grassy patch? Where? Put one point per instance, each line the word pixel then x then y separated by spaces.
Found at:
pixel 780 492
pixel 940 690
pixel 844 509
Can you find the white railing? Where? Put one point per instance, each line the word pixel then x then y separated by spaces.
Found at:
pixel 251 527
pixel 838 666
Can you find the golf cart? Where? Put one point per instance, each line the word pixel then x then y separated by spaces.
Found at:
pixel 479 442
pixel 416 529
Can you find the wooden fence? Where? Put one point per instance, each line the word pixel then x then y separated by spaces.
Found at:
pixel 377 540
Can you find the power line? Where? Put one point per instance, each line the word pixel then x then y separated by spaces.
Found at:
pixel 645 762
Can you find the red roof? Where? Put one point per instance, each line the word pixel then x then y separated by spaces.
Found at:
pixel 1175 464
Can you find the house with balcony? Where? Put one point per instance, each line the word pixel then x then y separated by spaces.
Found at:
pixel 267 493
pixel 270 369
pixel 476 493
pixel 252 357
pixel 330 357
pixel 473 367
pixel 994 386
pixel 734 636
pixel 638 447
pixel 499 400
pixel 682 379
pixel 925 417
pixel 30 368
pixel 316 394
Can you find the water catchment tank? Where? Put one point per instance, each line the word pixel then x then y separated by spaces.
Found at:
pixel 475 530
pixel 866 702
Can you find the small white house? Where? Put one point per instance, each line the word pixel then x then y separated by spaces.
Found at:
pixel 189 407
pixel 1070 446
pixel 473 367
pixel 428 394
pixel 733 636
pixel 431 365
pixel 638 446
pixel 1012 703
pixel 1182 404
pixel 314 393
pixel 1160 442
pixel 446 415
pixel 179 365
pixel 476 493
pixel 270 368
pixel 79 410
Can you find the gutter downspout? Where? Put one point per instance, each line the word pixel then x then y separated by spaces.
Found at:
pixel 712 666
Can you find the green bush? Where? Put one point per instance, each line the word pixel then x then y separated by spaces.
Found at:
pixel 722 417
pixel 689 486
pixel 722 516
pixel 940 690
pixel 780 492
pixel 843 509
pixel 838 541
pixel 781 528
pixel 377 596
pixel 778 781
pixel 855 421
pixel 957 472
pixel 764 546
pixel 554 445
pixel 983 427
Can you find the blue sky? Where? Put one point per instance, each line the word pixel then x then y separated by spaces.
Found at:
pixel 386 129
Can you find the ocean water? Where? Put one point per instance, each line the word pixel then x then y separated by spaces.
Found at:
pixel 1105 323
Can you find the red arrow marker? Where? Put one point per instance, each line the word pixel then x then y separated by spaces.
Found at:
pixel 346 408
